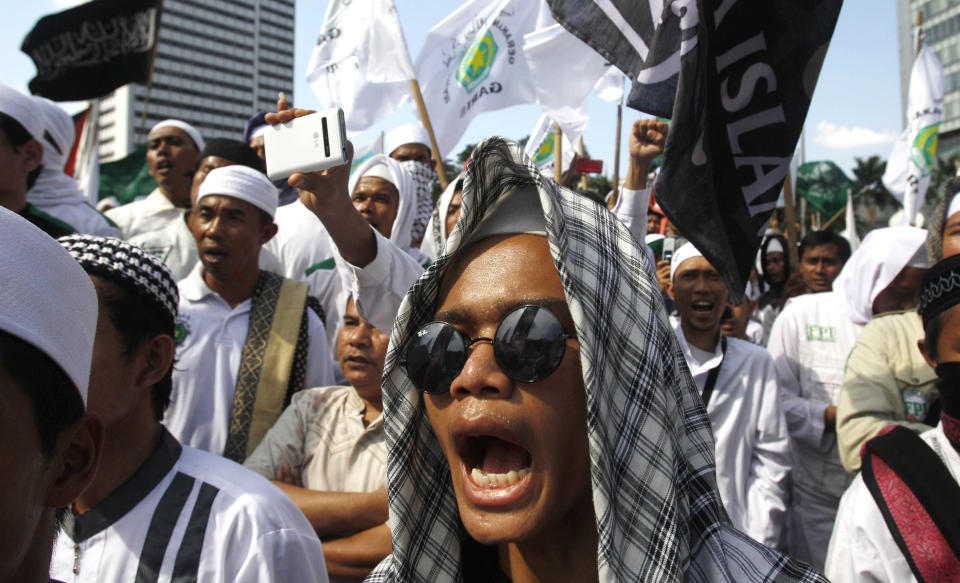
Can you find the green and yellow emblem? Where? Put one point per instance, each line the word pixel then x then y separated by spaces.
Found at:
pixel 924 150
pixel 545 151
pixel 477 61
pixel 180 332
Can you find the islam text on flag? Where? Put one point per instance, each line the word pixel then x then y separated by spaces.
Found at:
pixel 472 62
pixel 541 146
pixel 736 78
pixel 88 51
pixel 914 153
pixel 360 63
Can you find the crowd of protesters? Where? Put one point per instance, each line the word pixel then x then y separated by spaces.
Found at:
pixel 335 377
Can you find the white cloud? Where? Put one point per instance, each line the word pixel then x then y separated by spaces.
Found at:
pixel 830 135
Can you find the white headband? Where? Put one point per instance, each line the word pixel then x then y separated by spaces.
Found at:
pixel 23 109
pixel 181 125
pixel 243 183
pixel 258 132
pixel 954 206
pixel 48 301
pixel 411 133
pixel 686 251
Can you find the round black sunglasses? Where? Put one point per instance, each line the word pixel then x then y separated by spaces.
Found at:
pixel 528 346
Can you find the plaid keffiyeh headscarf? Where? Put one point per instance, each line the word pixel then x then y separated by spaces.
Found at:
pixel 659 516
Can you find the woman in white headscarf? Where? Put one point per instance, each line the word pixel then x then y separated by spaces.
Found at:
pixel 651 511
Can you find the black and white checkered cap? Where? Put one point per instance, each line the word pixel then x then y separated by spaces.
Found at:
pixel 132 266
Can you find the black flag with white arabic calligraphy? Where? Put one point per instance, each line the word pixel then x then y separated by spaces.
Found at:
pixel 88 51
pixel 736 78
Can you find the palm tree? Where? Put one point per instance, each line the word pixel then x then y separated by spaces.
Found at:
pixel 875 199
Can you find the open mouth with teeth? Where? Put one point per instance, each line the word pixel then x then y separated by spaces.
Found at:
pixel 494 462
pixel 702 306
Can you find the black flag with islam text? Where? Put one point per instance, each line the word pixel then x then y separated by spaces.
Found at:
pixel 736 78
pixel 90 50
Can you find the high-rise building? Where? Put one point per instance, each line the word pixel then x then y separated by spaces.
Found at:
pixel 218 62
pixel 941 32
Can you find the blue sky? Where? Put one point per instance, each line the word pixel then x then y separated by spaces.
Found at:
pixel 856 109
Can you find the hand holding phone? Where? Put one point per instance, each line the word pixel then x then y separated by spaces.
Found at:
pixel 310 143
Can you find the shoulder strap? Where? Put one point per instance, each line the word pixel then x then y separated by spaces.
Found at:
pixel 917 497
pixel 714 373
pixel 276 313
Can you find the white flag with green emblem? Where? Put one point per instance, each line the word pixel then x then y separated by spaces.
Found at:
pixel 360 63
pixel 541 145
pixel 472 62
pixel 915 151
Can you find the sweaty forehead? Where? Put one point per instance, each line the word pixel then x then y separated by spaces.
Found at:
pixel 497 274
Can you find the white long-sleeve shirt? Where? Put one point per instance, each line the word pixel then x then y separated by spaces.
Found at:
pixel 752 445
pixel 862 548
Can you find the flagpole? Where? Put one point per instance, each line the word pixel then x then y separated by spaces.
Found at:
pixel 583 177
pixel 557 152
pixel 425 120
pixel 153 62
pixel 790 219
pixel 616 147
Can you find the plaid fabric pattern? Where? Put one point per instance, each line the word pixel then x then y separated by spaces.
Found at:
pixel 422 175
pixel 134 267
pixel 658 513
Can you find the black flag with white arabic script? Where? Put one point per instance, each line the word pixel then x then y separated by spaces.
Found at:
pixel 736 78
pixel 90 50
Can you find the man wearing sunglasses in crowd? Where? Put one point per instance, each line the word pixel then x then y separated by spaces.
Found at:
pixel 540 424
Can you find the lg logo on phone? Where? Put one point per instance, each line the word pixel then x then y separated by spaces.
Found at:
pixel 316 139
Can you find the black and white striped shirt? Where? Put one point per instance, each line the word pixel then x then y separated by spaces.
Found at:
pixel 187 515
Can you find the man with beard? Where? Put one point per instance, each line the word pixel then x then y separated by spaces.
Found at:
pixel 898 521
pixel 410 145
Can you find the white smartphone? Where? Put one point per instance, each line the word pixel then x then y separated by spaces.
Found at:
pixel 306 144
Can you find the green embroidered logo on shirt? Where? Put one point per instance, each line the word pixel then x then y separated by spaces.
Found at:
pixel 180 332
pixel 821 333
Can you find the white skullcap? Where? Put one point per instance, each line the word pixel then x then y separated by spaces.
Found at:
pixel 686 251
pixel 243 183
pixel 412 133
pixel 23 109
pixel 182 125
pixel 380 170
pixel 46 298
pixel 774 246
pixel 59 125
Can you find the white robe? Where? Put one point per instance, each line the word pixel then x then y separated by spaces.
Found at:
pixel 809 344
pixel 862 548
pixel 752 445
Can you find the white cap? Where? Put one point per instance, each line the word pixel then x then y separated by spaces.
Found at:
pixel 686 251
pixel 59 125
pixel 23 109
pixel 182 125
pixel 412 133
pixel 46 298
pixel 774 246
pixel 244 183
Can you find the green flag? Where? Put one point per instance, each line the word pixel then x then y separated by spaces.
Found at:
pixel 127 178
pixel 824 185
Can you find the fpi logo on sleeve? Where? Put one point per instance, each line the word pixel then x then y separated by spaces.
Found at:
pixel 477 61
pixel 821 333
